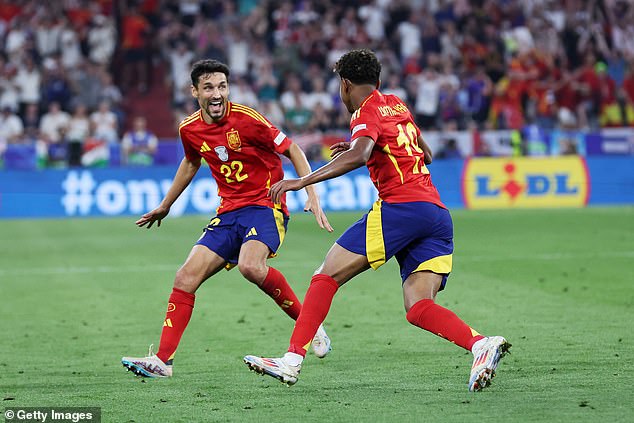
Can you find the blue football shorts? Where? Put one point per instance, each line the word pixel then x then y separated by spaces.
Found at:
pixel 418 234
pixel 226 232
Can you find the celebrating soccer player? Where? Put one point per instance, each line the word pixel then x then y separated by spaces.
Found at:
pixel 386 139
pixel 241 148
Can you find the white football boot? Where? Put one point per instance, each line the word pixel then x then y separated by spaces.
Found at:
pixel 487 354
pixel 321 343
pixel 150 366
pixel 275 367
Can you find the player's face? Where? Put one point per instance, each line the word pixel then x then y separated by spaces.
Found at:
pixel 212 94
pixel 344 93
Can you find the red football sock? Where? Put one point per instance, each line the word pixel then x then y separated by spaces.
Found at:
pixel 276 287
pixel 317 302
pixel 443 322
pixel 179 310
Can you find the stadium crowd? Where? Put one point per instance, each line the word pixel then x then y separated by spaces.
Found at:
pixel 66 66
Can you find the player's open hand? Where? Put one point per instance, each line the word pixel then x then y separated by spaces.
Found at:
pixel 312 205
pixel 155 215
pixel 338 148
pixel 279 188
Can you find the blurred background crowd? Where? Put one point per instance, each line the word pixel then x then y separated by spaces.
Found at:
pixel 77 76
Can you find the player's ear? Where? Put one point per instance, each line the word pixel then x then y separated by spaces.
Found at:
pixel 194 92
pixel 378 84
pixel 347 85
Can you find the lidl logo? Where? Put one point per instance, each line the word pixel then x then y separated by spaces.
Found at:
pixel 525 182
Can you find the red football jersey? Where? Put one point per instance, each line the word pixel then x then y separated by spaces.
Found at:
pixel 242 153
pixel 396 164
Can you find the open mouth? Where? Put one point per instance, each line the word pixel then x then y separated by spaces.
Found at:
pixel 215 107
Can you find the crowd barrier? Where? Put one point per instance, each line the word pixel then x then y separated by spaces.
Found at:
pixel 476 183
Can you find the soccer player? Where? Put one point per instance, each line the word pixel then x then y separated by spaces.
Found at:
pixel 386 139
pixel 241 148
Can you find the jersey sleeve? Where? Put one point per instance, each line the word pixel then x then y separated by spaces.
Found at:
pixel 281 143
pixel 269 135
pixel 364 123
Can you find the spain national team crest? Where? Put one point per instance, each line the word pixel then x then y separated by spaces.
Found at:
pixel 233 139
pixel 222 152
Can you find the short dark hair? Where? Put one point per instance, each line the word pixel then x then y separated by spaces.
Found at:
pixel 359 67
pixel 205 66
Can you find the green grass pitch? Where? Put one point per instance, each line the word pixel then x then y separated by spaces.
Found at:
pixel 77 295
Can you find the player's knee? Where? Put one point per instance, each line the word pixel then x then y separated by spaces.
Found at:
pixel 253 272
pixel 185 280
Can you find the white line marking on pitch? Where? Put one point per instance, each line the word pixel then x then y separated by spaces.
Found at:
pixel 61 270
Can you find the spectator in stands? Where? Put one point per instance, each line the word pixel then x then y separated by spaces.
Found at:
pixel 506 107
pixel 319 96
pixel 610 111
pixel 11 127
pixel 55 85
pixel 54 124
pixel 566 138
pixel 394 86
pixel 294 102
pixel 101 40
pixel 180 60
pixel 320 120
pixel 9 91
pixel 47 36
pixel 374 16
pixel 105 123
pixel 588 88
pixel 15 39
pixel 138 146
pixel 448 150
pixel 242 93
pixel 238 51
pixel 31 123
pixel 427 98
pixel 266 83
pixel 293 97
pixel 86 83
pixel 273 112
pixel 78 132
pixel 135 30
pixel 112 94
pixel 478 89
pixel 28 80
pixel 409 35
pixel 53 130
pixel 70 48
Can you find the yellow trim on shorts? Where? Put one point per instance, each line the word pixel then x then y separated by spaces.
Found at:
pixel 279 222
pixel 441 265
pixel 374 245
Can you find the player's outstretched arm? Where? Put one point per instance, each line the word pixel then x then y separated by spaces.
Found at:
pixel 356 156
pixel 302 167
pixel 182 179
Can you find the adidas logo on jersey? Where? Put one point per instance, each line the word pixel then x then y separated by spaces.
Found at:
pixel 252 231
pixel 204 147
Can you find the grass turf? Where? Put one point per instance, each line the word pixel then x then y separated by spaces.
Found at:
pixel 78 294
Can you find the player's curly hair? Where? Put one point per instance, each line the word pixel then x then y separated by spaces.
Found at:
pixel 359 66
pixel 205 66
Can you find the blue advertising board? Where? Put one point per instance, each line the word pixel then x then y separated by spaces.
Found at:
pixel 128 191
